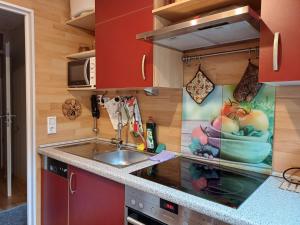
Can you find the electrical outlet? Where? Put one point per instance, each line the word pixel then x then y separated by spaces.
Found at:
pixel 51 124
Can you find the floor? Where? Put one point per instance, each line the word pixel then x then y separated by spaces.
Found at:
pixel 19 193
pixel 14 216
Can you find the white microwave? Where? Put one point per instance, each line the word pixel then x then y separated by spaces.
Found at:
pixel 82 73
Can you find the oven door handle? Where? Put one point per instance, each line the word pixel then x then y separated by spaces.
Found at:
pixel 134 221
pixel 85 68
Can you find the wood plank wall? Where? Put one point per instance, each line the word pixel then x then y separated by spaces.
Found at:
pixel 228 69
pixel 54 40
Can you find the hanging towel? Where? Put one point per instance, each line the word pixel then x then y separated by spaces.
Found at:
pixel 112 108
pixel 163 156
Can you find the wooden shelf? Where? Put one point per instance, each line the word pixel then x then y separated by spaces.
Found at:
pixel 82 55
pixel 85 21
pixel 82 89
pixel 189 8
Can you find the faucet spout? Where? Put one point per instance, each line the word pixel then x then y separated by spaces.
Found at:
pixel 120 125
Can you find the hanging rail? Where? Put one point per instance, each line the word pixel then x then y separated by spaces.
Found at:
pixel 197 57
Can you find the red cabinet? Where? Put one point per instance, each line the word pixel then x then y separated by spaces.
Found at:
pixel 109 9
pixel 54 199
pixel 282 17
pixel 123 61
pixel 82 198
pixel 94 200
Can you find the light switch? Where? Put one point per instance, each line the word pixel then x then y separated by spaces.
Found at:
pixel 51 124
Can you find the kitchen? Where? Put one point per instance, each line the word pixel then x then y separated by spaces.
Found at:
pixel 157 76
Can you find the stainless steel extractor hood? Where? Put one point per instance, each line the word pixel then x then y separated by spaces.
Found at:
pixel 234 25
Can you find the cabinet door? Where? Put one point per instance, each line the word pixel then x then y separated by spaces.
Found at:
pixel 109 9
pixel 282 17
pixel 94 200
pixel 120 55
pixel 54 199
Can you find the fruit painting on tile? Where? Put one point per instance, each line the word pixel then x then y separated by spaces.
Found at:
pixel 228 132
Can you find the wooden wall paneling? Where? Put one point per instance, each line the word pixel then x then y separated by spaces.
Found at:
pixel 54 40
pixel 165 110
pixel 287 128
pixel 228 69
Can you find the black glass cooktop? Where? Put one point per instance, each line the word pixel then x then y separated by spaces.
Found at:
pixel 227 186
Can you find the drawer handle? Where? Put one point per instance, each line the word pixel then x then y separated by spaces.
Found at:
pixel 275 51
pixel 143 67
pixel 134 221
pixel 70 183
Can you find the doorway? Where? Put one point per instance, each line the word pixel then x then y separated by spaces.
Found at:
pixel 12 112
pixel 17 111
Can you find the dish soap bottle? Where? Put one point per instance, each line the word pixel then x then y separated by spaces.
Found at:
pixel 151 135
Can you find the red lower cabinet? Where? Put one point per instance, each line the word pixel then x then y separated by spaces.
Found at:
pixel 81 199
pixel 54 199
pixel 94 200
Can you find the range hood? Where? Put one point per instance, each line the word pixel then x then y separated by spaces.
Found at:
pixel 234 25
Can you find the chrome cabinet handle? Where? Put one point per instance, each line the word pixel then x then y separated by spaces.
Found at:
pixel 143 67
pixel 275 51
pixel 70 183
pixel 134 221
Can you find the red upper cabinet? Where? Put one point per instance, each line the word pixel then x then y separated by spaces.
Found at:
pixel 281 18
pixel 108 9
pixel 94 200
pixel 123 61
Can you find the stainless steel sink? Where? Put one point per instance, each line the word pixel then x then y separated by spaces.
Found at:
pixel 121 158
pixel 105 152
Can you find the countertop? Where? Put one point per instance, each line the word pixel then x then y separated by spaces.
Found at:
pixel 268 205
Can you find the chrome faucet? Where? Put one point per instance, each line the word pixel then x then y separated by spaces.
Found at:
pixel 118 141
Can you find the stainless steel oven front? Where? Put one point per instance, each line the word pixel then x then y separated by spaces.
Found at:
pixel 146 209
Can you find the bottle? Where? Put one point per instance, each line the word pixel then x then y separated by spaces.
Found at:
pixel 151 135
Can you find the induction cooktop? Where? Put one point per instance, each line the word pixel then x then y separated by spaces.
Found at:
pixel 224 185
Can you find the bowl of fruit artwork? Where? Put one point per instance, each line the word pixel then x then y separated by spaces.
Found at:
pixel 240 134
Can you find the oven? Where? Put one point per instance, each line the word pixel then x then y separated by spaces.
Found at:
pixel 134 217
pixel 142 208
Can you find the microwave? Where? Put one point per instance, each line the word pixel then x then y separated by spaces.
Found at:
pixel 82 73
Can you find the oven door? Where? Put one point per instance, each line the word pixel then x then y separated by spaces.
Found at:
pixel 134 217
pixel 79 73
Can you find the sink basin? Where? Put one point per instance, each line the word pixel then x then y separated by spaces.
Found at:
pixel 105 152
pixel 121 158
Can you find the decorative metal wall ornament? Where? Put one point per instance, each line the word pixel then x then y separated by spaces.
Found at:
pixel 71 108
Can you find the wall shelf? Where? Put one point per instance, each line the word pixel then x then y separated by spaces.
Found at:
pixel 189 8
pixel 82 89
pixel 82 55
pixel 85 21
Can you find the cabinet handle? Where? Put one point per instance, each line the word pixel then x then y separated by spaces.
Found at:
pixel 143 67
pixel 275 51
pixel 70 183
pixel 134 221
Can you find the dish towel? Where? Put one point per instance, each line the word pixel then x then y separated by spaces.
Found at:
pixel 163 156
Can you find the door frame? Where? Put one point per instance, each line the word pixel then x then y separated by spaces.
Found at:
pixel 30 105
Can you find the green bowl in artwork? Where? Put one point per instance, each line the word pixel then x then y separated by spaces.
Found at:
pixel 244 151
pixel 263 138
pixel 213 132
